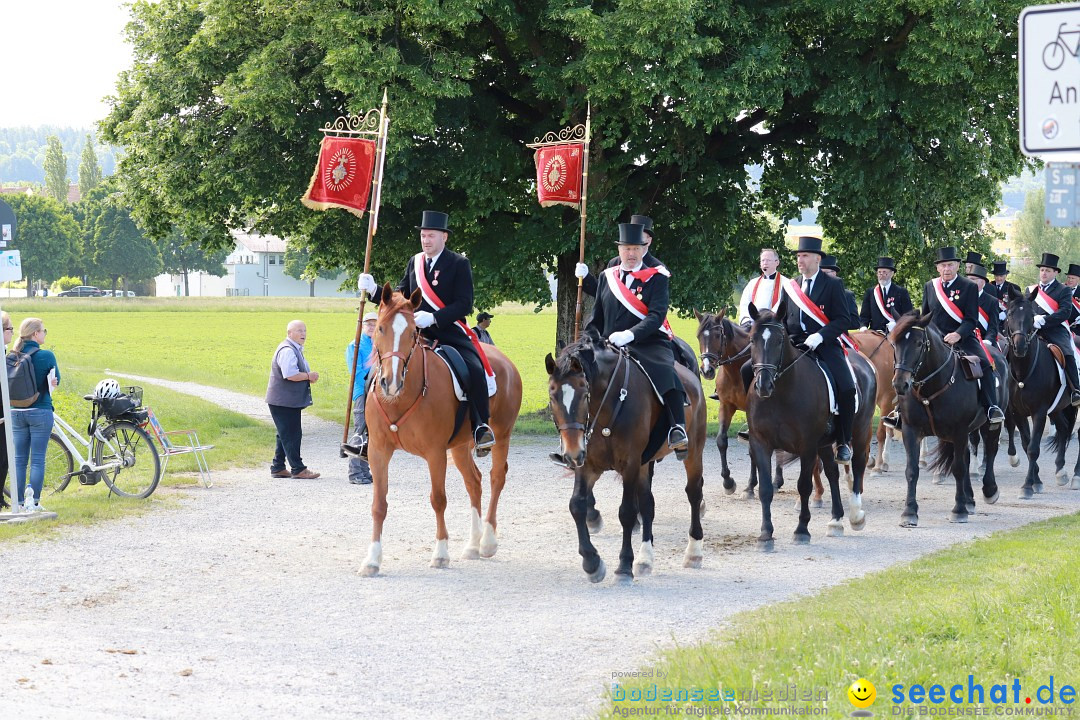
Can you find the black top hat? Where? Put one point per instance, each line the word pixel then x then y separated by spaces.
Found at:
pixel 483 316
pixel 645 222
pixel 810 244
pixel 885 262
pixel 946 254
pixel 999 268
pixel 828 262
pixel 978 271
pixel 974 258
pixel 1049 260
pixel 1074 269
pixel 434 220
pixel 631 234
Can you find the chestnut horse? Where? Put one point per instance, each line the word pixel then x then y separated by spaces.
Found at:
pixel 875 347
pixel 411 406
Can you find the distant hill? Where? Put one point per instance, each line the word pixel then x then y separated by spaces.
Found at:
pixel 22 153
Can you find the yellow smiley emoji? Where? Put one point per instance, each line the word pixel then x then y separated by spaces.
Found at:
pixel 862 693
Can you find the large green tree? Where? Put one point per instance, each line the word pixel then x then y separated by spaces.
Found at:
pixel 896 119
pixel 89 169
pixel 56 181
pixel 47 237
pixel 298 265
pixel 119 249
pixel 184 252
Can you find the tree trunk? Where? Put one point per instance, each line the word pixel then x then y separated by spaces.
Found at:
pixel 29 287
pixel 187 287
pixel 566 300
pixel 311 286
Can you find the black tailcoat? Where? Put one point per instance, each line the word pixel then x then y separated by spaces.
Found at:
pixel 829 295
pixel 897 299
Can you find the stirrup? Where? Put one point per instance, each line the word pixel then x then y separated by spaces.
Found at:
pixel 1075 398
pixel 995 418
pixel 679 443
pixel 892 420
pixel 558 460
pixel 483 439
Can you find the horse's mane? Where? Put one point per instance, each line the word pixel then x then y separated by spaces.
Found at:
pixel 584 351
pixel 397 300
pixel 906 322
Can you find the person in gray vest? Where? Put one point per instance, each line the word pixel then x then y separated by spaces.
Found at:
pixel 287 394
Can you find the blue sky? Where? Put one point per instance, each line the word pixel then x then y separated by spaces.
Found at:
pixel 61 58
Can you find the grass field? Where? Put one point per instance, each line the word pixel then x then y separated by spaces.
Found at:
pixel 1002 608
pixel 228 342
pixel 238 441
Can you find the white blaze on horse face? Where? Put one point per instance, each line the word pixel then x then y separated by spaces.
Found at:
pixel 399 325
pixel 705 365
pixel 766 335
pixel 567 397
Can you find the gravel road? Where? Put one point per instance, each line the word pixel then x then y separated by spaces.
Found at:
pixel 245 600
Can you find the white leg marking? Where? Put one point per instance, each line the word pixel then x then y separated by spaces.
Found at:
pixel 836 528
pixel 693 554
pixel 643 564
pixel 441 557
pixel 373 561
pixel 489 542
pixel 472 549
pixel 857 516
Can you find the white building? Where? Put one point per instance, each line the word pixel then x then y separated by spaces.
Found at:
pixel 255 267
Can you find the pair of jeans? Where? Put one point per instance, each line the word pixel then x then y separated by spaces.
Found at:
pixel 287 442
pixel 358 467
pixel 31 429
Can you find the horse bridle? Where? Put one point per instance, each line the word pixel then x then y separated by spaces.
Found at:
pixel 714 358
pixel 395 426
pixel 590 422
pixel 925 347
pixel 1028 337
pixel 778 371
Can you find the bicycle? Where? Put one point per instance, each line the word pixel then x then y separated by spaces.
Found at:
pixel 119 451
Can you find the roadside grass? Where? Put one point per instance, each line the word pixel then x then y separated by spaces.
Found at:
pixel 233 435
pixel 999 608
pixel 228 342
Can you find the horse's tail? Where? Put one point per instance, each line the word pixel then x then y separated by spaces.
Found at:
pixel 1063 424
pixel 941 460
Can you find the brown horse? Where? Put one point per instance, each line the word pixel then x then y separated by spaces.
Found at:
pixel 411 406
pixel 875 347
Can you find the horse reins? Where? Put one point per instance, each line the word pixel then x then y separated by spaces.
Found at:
pixel 589 426
pixel 775 367
pixel 395 426
pixel 916 385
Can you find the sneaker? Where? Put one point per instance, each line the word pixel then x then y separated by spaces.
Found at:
pixel 676 440
pixel 361 480
pixel 892 420
pixel 484 440
pixel 995 415
pixel 305 474
pixel 843 454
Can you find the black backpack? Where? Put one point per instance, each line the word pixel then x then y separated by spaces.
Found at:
pixel 22 381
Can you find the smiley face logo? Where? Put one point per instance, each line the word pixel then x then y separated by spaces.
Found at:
pixel 862 693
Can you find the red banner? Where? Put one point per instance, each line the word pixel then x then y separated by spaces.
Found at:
pixel 342 178
pixel 558 174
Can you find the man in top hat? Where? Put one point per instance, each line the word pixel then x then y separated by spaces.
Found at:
pixel 483 322
pixel 830 267
pixel 973 259
pixel 886 300
pixel 764 290
pixel 987 328
pixel 818 314
pixel 445 280
pixel 631 311
pixel 953 302
pixel 1053 309
pixel 1072 280
pixel 1001 286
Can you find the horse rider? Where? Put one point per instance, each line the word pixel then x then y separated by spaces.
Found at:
pixel 630 311
pixel 684 354
pixel 1001 285
pixel 445 280
pixel 829 267
pixel 886 300
pixel 988 327
pixel 1053 309
pixel 819 313
pixel 1072 280
pixel 764 290
pixel 973 259
pixel 953 303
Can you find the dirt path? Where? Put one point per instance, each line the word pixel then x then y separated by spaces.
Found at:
pixel 246 602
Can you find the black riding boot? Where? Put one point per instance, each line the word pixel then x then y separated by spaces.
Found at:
pixel 988 395
pixel 359 450
pixel 676 439
pixel 478 398
pixel 1072 379
pixel 845 421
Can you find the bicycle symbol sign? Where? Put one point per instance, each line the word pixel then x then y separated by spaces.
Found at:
pixel 1050 79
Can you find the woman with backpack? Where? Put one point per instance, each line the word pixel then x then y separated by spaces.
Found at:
pixel 32 425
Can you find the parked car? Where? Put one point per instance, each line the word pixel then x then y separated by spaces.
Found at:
pixel 120 293
pixel 82 291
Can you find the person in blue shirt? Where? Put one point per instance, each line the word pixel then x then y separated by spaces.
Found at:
pixel 359 471
pixel 31 426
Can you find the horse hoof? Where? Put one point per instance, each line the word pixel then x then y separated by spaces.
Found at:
pixel 836 528
pixel 624 575
pixel 1075 484
pixel 369 571
pixel 1014 460
pixel 489 541
pixel 440 563
pixel 470 553
pixel 599 573
pixel 857 523
pixel 766 545
pixel 748 494
pixel 1026 493
pixel 802 538
pixel 938 479
pixel 729 486
pixel 909 521
pixel 692 556
pixel 884 467
pixel 871 464
pixel 1037 487
pixel 643 570
pixel 817 503
pixel 955 517
pixel 970 508
pixel 1062 479
pixel 595 526
pixel 993 498
pixel 922 464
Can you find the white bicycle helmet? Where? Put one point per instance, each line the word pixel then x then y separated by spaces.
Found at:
pixel 107 389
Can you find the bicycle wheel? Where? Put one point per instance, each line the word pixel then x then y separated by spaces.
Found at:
pixel 1053 56
pixel 59 464
pixel 136 467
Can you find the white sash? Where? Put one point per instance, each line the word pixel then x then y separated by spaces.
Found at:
pixel 630 301
pixel 949 306
pixel 879 296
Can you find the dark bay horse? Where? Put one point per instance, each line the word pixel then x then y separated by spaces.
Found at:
pixel 936 399
pixel 788 409
pixel 412 407
pixel 606 409
pixel 1037 390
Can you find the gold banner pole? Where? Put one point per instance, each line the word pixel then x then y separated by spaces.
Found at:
pixel 584 195
pixel 373 223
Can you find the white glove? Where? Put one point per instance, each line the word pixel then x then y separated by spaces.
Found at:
pixel 366 282
pixel 581 270
pixel 890 325
pixel 1040 320
pixel 1001 315
pixel 813 341
pixel 424 319
pixel 621 337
